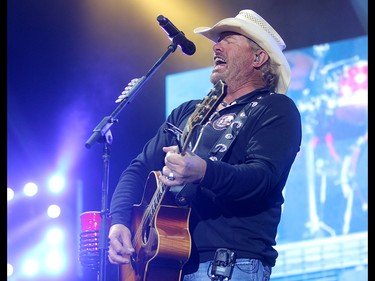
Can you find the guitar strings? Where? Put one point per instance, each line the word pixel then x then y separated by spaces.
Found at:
pixel 200 108
pixel 149 213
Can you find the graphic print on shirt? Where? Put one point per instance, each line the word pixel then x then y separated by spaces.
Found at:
pixel 223 122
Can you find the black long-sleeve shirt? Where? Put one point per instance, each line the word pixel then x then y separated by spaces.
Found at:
pixel 237 204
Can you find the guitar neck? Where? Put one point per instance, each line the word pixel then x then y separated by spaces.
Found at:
pixel 202 113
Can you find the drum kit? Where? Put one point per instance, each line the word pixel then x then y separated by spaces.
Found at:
pixel 343 100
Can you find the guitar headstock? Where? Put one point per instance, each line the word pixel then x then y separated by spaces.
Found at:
pixel 202 112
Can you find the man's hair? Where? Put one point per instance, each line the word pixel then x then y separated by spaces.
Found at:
pixel 269 75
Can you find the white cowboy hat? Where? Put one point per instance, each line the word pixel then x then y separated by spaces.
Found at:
pixel 250 24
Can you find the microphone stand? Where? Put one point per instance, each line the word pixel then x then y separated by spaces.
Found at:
pixel 102 133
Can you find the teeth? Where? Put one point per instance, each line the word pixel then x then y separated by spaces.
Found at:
pixel 219 60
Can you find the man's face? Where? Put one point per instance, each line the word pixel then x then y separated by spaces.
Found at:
pixel 233 57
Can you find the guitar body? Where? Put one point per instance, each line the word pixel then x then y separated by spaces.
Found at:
pixel 162 237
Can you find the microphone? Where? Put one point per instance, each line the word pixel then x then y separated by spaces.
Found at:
pixel 178 36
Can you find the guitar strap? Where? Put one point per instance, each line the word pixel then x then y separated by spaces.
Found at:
pixel 224 142
pixel 184 194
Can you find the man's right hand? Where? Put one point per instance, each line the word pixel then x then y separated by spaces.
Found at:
pixel 120 245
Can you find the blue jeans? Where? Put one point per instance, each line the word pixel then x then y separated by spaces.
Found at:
pixel 244 270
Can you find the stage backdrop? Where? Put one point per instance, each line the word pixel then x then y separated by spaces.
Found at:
pixel 326 194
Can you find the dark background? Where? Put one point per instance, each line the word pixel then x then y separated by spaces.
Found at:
pixel 69 60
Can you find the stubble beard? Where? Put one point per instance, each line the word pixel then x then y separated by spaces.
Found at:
pixel 216 77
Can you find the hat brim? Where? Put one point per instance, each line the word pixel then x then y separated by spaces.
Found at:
pixel 258 35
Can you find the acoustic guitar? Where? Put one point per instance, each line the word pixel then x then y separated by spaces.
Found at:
pixel 160 227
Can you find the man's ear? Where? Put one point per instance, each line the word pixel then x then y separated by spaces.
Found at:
pixel 260 58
